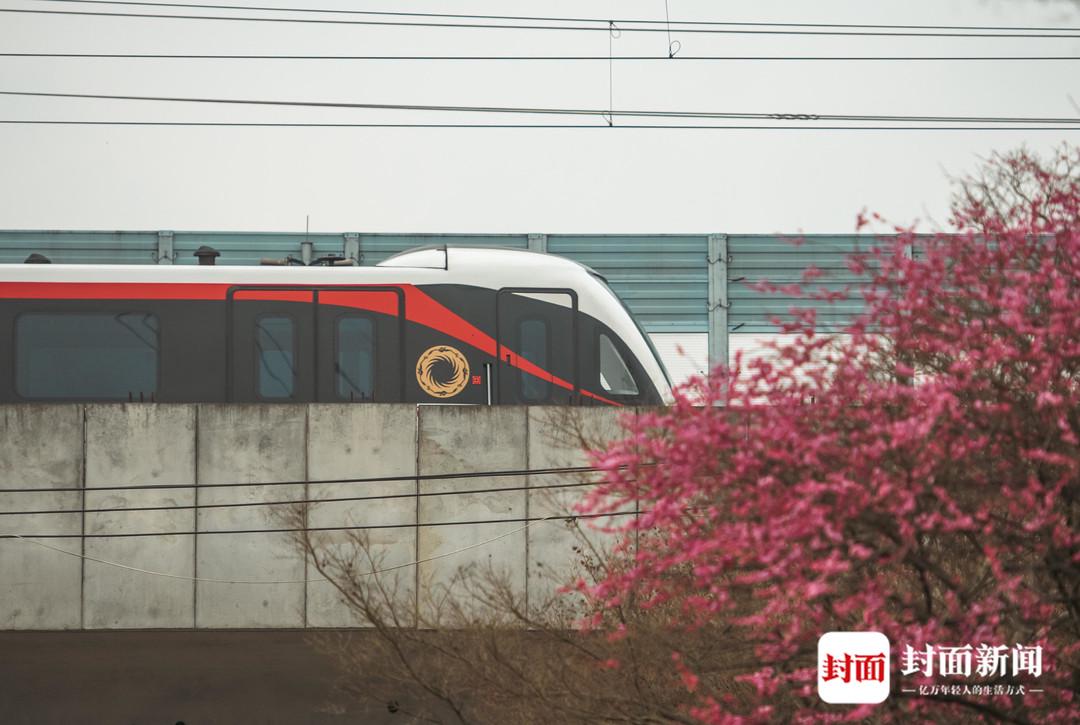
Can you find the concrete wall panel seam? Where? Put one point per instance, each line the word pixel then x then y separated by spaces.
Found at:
pixel 82 517
pixel 528 496
pixel 416 530
pixel 195 528
pixel 307 496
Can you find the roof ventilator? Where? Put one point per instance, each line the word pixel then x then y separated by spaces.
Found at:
pixel 207 256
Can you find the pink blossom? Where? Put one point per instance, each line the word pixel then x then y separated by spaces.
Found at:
pixel 922 481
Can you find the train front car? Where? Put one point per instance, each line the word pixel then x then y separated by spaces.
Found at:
pixel 540 329
pixel 476 326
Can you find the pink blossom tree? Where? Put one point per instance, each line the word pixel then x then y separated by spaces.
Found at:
pixel 920 478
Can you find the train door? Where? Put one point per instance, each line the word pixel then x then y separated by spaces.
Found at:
pixel 271 345
pixel 360 337
pixel 537 346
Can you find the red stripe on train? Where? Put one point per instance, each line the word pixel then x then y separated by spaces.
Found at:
pixel 385 303
pixel 112 291
pixel 274 295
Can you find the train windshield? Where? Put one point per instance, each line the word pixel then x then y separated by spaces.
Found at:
pixel 640 329
pixel 615 377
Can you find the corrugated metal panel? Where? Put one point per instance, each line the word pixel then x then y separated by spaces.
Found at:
pixel 782 261
pixel 683 354
pixel 64 247
pixel 377 247
pixel 250 247
pixel 663 279
pixel 761 347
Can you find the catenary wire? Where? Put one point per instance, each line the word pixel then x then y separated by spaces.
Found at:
pixel 527 110
pixel 209 580
pixel 533 18
pixel 294 502
pixel 632 127
pixel 370 479
pixel 638 58
pixel 586 28
pixel 314 529
pixel 667 24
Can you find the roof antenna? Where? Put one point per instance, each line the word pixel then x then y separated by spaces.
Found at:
pixel 305 246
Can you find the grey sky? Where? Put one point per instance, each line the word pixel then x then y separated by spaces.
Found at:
pixel 590 181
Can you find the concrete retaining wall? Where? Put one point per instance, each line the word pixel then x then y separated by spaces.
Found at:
pixel 189 577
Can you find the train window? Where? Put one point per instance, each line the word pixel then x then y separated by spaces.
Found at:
pixel 94 357
pixel 354 369
pixel 276 354
pixel 615 377
pixel 534 348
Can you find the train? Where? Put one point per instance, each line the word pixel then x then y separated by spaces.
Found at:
pixel 459 325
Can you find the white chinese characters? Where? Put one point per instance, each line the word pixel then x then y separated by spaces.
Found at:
pixel 988 661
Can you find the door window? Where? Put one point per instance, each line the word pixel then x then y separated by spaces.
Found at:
pixel 275 350
pixel 354 367
pixel 534 348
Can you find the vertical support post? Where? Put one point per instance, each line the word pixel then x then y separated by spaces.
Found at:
pixel 538 242
pixel 165 253
pixel 352 248
pixel 718 303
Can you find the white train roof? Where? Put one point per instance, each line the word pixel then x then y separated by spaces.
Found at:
pixel 480 266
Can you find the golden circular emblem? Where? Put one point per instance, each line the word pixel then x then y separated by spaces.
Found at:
pixel 452 366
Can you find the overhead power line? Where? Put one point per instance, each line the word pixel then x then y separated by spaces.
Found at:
pixel 589 112
pixel 636 58
pixel 319 481
pixel 533 18
pixel 316 529
pixel 295 502
pixel 604 27
pixel 549 126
